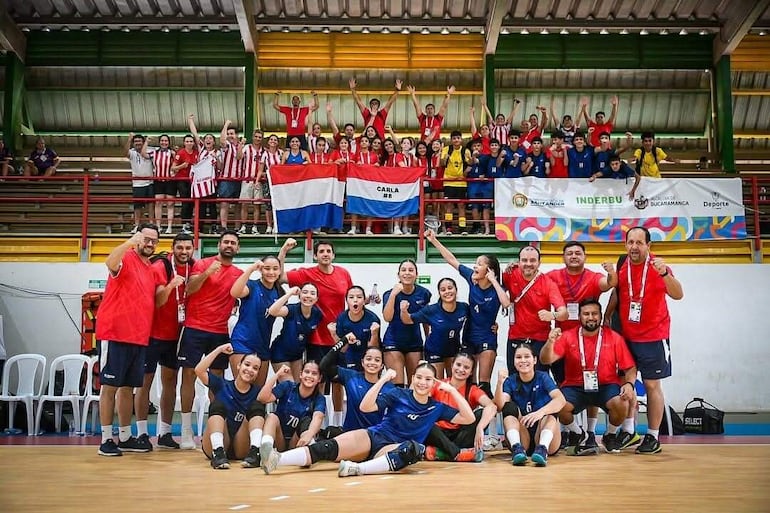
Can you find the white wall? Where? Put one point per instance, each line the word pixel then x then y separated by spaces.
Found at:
pixel 720 330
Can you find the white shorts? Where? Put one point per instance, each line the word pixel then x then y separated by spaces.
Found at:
pixel 248 190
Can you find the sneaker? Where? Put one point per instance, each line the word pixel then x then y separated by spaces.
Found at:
pixel 188 442
pixel 352 231
pixel 252 459
pixel 540 456
pixel 167 442
pixel 167 231
pixel 186 228
pixel 588 447
pixel 242 230
pixel 397 230
pixel 134 444
pixel 254 230
pixel 650 445
pixel 469 455
pixel 135 229
pixel 625 439
pixel 369 231
pixel 407 231
pixel 492 443
pixel 109 448
pixel 576 439
pixel 564 440
pixel 518 455
pixel 269 230
pixel 219 459
pixel 348 468
pixel 269 458
pixel 433 453
pixel 609 441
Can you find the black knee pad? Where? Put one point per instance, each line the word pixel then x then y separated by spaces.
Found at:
pixel 218 409
pixel 326 450
pixel 511 409
pixel 408 453
pixel 487 388
pixel 256 409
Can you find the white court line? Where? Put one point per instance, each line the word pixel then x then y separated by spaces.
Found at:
pixel 387 477
pixel 448 467
pixel 316 490
pixel 240 506
pixel 353 483
pixel 279 498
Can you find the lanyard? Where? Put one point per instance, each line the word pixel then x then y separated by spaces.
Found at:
pixel 573 294
pixel 644 279
pixel 186 273
pixel 295 117
pixel 432 119
pixel 526 289
pixel 582 349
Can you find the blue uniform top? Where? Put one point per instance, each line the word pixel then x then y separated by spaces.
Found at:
pixel 406 419
pixel 581 163
pixel 294 159
pixel 530 396
pixel 484 305
pixel 254 325
pixel 296 329
pixel 361 329
pixel 538 165
pixel 292 407
pixel 356 388
pixel 488 165
pixel 623 173
pixel 511 171
pixel 445 327
pixel 602 159
pixel 397 331
pixel 236 402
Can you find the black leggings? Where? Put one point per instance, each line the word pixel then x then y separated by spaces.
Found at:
pixel 452 440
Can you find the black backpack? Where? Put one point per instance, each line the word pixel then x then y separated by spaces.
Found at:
pixel 654 152
pixel 163 257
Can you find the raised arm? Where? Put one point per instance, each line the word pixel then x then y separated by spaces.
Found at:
pixel 547 355
pixel 266 395
pixel 417 109
pixel 543 117
pixel 240 288
pixel 193 129
pixel 445 104
pixel 115 258
pixel 197 280
pixel 276 96
pixel 353 84
pixel 223 133
pixel 202 369
pixel 584 110
pixel 289 244
pixel 129 144
pixel 163 292
pixel 447 255
pixel 474 127
pixel 554 117
pixel 614 111
pixel 403 311
pixel 313 102
pixel 465 413
pixel 673 286
pixel 331 121
pixel 393 96
pixel 490 117
pixel 516 105
pixel 369 402
pixel 389 308
pixel 279 308
pixel 501 397
pixel 144 153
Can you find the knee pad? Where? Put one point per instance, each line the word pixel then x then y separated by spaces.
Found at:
pixel 511 409
pixel 218 408
pixel 256 409
pixel 408 453
pixel 326 450
pixel 487 388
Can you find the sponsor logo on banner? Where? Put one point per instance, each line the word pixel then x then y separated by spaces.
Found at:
pixel 668 200
pixel 717 202
pixel 593 201
pixel 641 202
pixel 519 200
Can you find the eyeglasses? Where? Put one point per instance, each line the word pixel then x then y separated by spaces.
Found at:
pixel 148 240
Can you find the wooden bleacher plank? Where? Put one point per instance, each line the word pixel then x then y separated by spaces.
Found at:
pixel 99 248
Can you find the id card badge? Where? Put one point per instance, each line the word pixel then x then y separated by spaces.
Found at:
pixel 180 313
pixel 511 315
pixel 635 312
pixel 294 123
pixel 590 381
pixel 427 131
pixel 572 310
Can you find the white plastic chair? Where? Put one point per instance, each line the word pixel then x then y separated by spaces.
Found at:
pixel 28 388
pixel 200 403
pixel 90 398
pixel 73 366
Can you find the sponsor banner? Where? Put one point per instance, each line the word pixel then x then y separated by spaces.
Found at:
pixel 573 209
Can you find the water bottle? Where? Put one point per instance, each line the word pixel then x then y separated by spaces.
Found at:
pixel 374 296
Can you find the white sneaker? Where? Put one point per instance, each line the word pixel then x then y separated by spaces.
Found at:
pixel 270 458
pixel 348 468
pixel 134 229
pixel 408 231
pixel 188 442
pixel 397 230
pixel 269 230
pixel 254 230
pixel 186 228
pixel 242 229
pixel 167 231
pixel 352 231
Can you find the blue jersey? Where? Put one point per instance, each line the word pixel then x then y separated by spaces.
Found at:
pixel 530 396
pixel 510 170
pixel 236 402
pixel 623 173
pixel 252 331
pixel 356 388
pixel 602 160
pixel 290 343
pixel 362 330
pixel 484 305
pixel 399 333
pixel 292 407
pixel 406 419
pixel 445 327
pixel 488 165
pixel 538 165
pixel 581 163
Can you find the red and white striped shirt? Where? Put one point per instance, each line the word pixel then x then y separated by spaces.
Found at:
pixel 394 160
pixel 500 132
pixel 346 156
pixel 270 159
pixel 251 158
pixel 320 158
pixel 231 166
pixel 368 157
pixel 162 160
pixel 312 141
pixel 409 159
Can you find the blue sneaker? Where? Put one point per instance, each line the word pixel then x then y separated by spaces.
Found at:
pixel 109 448
pixel 519 455
pixel 540 456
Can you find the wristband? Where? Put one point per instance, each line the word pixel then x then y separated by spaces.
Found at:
pixel 664 274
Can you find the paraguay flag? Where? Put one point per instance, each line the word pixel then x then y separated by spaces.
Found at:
pixel 384 192
pixel 306 197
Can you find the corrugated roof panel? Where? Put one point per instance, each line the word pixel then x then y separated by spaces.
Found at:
pixel 600 78
pixel 751 113
pixel 368 79
pixel 133 77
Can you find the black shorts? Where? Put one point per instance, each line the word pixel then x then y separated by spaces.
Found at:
pixel 139 193
pixel 165 187
pixel 290 430
pixel 121 364
pixel 451 192
pixel 193 344
pixel 161 352
pixel 653 359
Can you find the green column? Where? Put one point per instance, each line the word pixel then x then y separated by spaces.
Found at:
pixel 489 86
pixel 724 101
pixel 13 97
pixel 250 95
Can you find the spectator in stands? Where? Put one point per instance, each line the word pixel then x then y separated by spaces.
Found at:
pixel 499 125
pixel 349 130
pixel 142 174
pixel 255 181
pixel 514 156
pixel 532 128
pixel 455 159
pixel 557 155
pixel 537 164
pixel 481 133
pixel 567 126
pixel 648 157
pixel 184 160
pixel 321 154
pixel 580 158
pixel 430 121
pixel 296 155
pixel 374 115
pixel 6 159
pixel 600 124
pixel 296 117
pixel 313 137
pixel 208 157
pixel 603 153
pixel 163 186
pixel 620 171
pixel 41 160
pixel 231 170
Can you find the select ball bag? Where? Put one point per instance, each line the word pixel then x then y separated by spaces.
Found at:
pixel 703 418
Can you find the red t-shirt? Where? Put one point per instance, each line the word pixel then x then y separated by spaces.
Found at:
pixel 430 125
pixel 485 150
pixel 125 314
pixel 165 324
pixel 540 296
pixel 558 168
pixel 614 355
pixel 296 119
pixel 379 120
pixel 574 289
pixel 183 156
pixel 331 296
pixel 655 323
pixel 210 307
pixel 473 397
pixel 598 129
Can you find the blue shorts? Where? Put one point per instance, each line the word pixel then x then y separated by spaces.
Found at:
pixel 228 189
pixel 378 441
pixel 195 343
pixel 653 359
pixel 581 399
pixel 281 352
pixel 411 346
pixel 478 347
pixel 438 354
pixel 480 190
pixel 121 364
pixel 243 347
pixel 161 352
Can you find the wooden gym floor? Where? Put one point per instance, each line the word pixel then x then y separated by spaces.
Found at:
pixel 685 477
